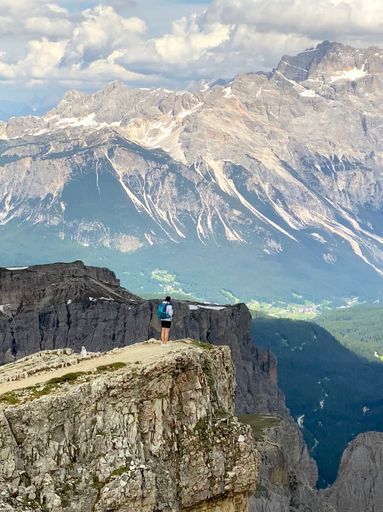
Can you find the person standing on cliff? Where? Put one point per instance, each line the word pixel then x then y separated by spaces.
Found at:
pixel 165 315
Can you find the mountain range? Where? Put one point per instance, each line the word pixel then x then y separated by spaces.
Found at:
pixel 269 184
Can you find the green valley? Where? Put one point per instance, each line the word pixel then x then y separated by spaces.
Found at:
pixel 333 392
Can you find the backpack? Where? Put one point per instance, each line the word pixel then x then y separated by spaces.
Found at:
pixel 161 311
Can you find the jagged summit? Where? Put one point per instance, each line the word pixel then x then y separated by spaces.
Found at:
pixel 284 167
pixel 331 62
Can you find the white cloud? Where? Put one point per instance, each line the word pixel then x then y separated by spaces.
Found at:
pixel 188 41
pixel 313 18
pixel 50 27
pixel 6 23
pixel 42 59
pixel 61 42
pixel 6 71
pixel 101 32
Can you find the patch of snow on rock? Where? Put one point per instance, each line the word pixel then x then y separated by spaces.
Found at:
pixel 194 307
pixel 352 75
pixel 308 93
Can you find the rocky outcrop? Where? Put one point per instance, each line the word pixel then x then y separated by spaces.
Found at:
pixel 134 436
pixel 43 285
pixel 359 485
pixel 72 305
pixel 287 474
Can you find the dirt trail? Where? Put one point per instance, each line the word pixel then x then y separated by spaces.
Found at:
pixel 145 353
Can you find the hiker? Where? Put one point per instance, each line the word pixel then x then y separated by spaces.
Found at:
pixel 165 314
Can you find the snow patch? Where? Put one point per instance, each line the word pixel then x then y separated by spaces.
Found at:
pixel 272 247
pixel 227 185
pixel 149 238
pixel 187 112
pixel 194 307
pixel 85 122
pixel 227 92
pixel 308 93
pixel 329 258
pixel 351 74
pixel 318 237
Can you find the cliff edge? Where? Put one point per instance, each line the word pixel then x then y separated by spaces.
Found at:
pixel 138 428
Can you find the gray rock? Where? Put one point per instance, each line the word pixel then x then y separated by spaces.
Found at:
pixel 359 485
pixel 71 305
pixel 49 308
pixel 130 440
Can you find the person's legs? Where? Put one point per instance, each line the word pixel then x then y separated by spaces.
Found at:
pixel 162 334
pixel 166 335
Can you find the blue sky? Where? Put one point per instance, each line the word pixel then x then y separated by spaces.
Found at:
pixel 47 47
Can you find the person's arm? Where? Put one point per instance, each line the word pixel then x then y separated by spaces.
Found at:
pixel 169 310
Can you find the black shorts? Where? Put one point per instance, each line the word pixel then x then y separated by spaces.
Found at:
pixel 166 324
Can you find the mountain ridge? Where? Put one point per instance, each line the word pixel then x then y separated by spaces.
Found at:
pixel 283 166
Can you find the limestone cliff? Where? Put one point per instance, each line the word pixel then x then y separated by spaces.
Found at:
pixel 137 429
pixel 359 485
pixel 70 305
pixel 287 474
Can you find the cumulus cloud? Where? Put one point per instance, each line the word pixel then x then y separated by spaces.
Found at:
pixel 234 36
pixel 100 33
pixel 62 42
pixel 29 18
pixel 69 47
pixel 313 18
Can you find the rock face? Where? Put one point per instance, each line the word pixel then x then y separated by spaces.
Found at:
pixel 147 437
pixel 282 169
pixel 359 485
pixel 43 285
pixel 71 305
pixel 287 474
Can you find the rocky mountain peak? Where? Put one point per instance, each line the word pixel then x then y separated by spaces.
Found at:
pixel 275 163
pixel 115 87
pixel 331 62
pixel 359 485
pixel 72 96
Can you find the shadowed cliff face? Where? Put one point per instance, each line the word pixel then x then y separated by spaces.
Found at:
pixel 71 305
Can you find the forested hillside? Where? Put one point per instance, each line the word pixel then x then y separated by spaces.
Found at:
pixel 333 393
pixel 359 328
